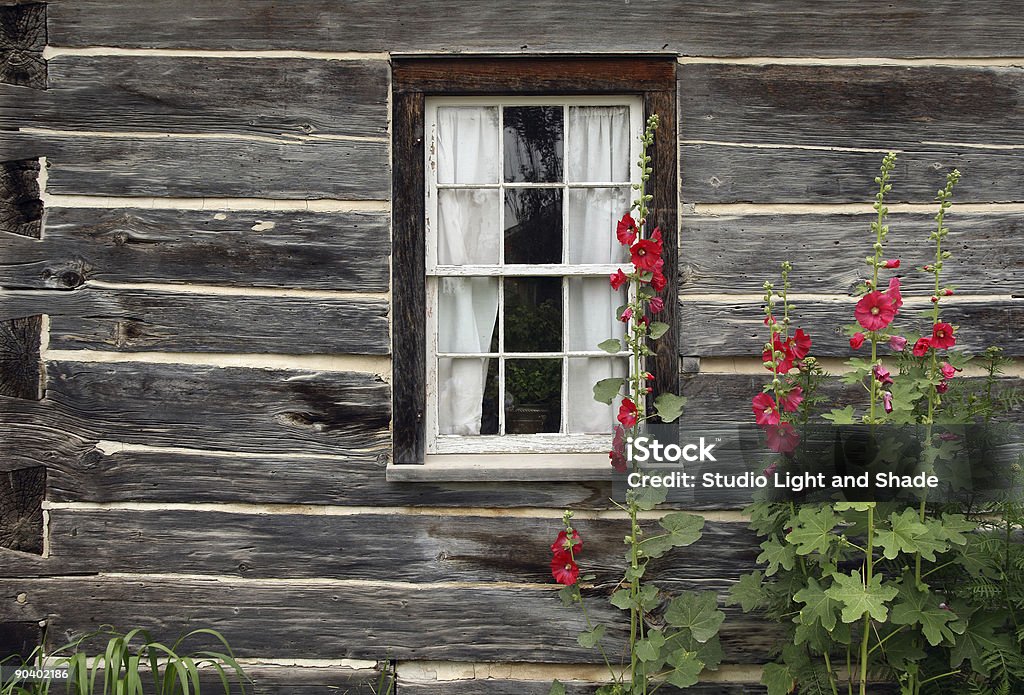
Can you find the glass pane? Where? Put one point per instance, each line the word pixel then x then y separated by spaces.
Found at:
pixel 533 314
pixel 468 224
pixel 533 225
pixel 599 143
pixel 590 316
pixel 533 143
pixel 533 396
pixel 590 225
pixel 585 414
pixel 467 396
pixel 467 311
pixel 467 144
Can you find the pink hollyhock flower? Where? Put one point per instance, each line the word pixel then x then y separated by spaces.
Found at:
pixel 782 438
pixel 657 304
pixel 942 386
pixel 766 412
pixel 894 293
pixel 562 543
pixel 801 344
pixel 770 470
pixel 659 281
pixel 897 343
pixel 921 347
pixel 942 336
pixel 645 254
pixel 564 570
pixel 627 413
pixel 892 263
pixel 785 363
pixel 948 437
pixel 948 370
pixel 856 340
pixel 618 279
pixel 626 315
pixel 791 401
pixel 618 452
pixel 882 374
pixel 875 311
pixel 625 230
pixel 947 292
pixel 887 401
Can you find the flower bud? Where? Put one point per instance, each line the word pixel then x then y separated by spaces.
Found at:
pixel 934 299
pixel 947 292
pixel 892 263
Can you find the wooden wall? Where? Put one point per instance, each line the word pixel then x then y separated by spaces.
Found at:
pixel 194 331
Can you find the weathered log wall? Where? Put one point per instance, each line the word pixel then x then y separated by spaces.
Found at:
pixel 194 329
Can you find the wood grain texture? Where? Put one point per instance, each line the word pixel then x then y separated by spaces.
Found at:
pixel 736 253
pixel 19 638
pixel 723 328
pixel 433 548
pixel 22 39
pixel 509 686
pixel 888 107
pixel 226 167
pixel 488 623
pixel 21 510
pixel 144 320
pixel 737 174
pixel 230 408
pixel 306 680
pixel 310 250
pixel 277 97
pixel 729 28
pixel 21 210
pixel 20 364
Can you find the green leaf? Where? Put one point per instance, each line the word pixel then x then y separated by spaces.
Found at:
pixel 686 669
pixel 611 346
pixel 776 554
pixel 778 679
pixel 696 611
pixel 658 329
pixel 649 497
pixel 980 639
pixel 669 406
pixel 622 599
pixel 921 607
pixel 954 526
pixel 606 390
pixel 681 529
pixel 819 606
pixel 858 599
pixel 556 688
pixel 748 592
pixel 567 594
pixel 901 536
pixel 590 638
pixel 646 651
pixel 813 530
pixel 839 416
pixel 853 506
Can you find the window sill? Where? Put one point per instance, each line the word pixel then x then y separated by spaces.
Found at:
pixel 496 468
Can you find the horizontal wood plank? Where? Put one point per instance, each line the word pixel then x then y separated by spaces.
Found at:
pixel 276 618
pixel 715 173
pixel 311 250
pixel 509 686
pixel 722 328
pixel 308 680
pixel 890 107
pixel 432 548
pixel 272 97
pixel 228 167
pixel 228 409
pixel 143 320
pixel 729 28
pixel 737 253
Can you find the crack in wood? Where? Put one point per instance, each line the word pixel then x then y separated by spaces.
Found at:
pixel 22 40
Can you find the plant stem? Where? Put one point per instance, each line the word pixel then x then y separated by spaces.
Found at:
pixel 868 573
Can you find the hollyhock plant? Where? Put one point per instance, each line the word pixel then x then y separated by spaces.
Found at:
pixel 921 347
pixel 627 413
pixel 645 254
pixel 618 279
pixel 790 401
pixel 782 438
pixel 875 311
pixel 857 340
pixel 942 336
pixel 563 544
pixel 897 343
pixel 625 230
pixel 564 569
pixel 766 412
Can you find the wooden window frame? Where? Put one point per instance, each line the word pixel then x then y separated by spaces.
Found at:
pixel 414 79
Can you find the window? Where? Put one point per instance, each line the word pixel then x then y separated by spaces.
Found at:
pixel 509 175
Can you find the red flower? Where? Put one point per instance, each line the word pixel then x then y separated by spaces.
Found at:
pixel 785 363
pixel 646 253
pixel 782 438
pixel 625 230
pixel 766 412
pixel 897 343
pixel 562 544
pixel 801 344
pixel 618 452
pixel 657 305
pixel 921 347
pixel 948 370
pixel 564 570
pixel 882 374
pixel 894 293
pixel 791 401
pixel 856 340
pixel 627 413
pixel 942 386
pixel 892 263
pixel 942 336
pixel 659 281
pixel 626 315
pixel 875 311
pixel 887 401
pixel 618 279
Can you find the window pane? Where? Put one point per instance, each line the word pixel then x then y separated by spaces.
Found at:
pixel 467 144
pixel 533 314
pixel 585 414
pixel 468 223
pixel 533 143
pixel 590 225
pixel 533 396
pixel 590 316
pixel 467 396
pixel 467 310
pixel 533 225
pixel 599 143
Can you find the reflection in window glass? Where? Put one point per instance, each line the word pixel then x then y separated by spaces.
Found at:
pixel 533 396
pixel 533 225
pixel 533 314
pixel 533 143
